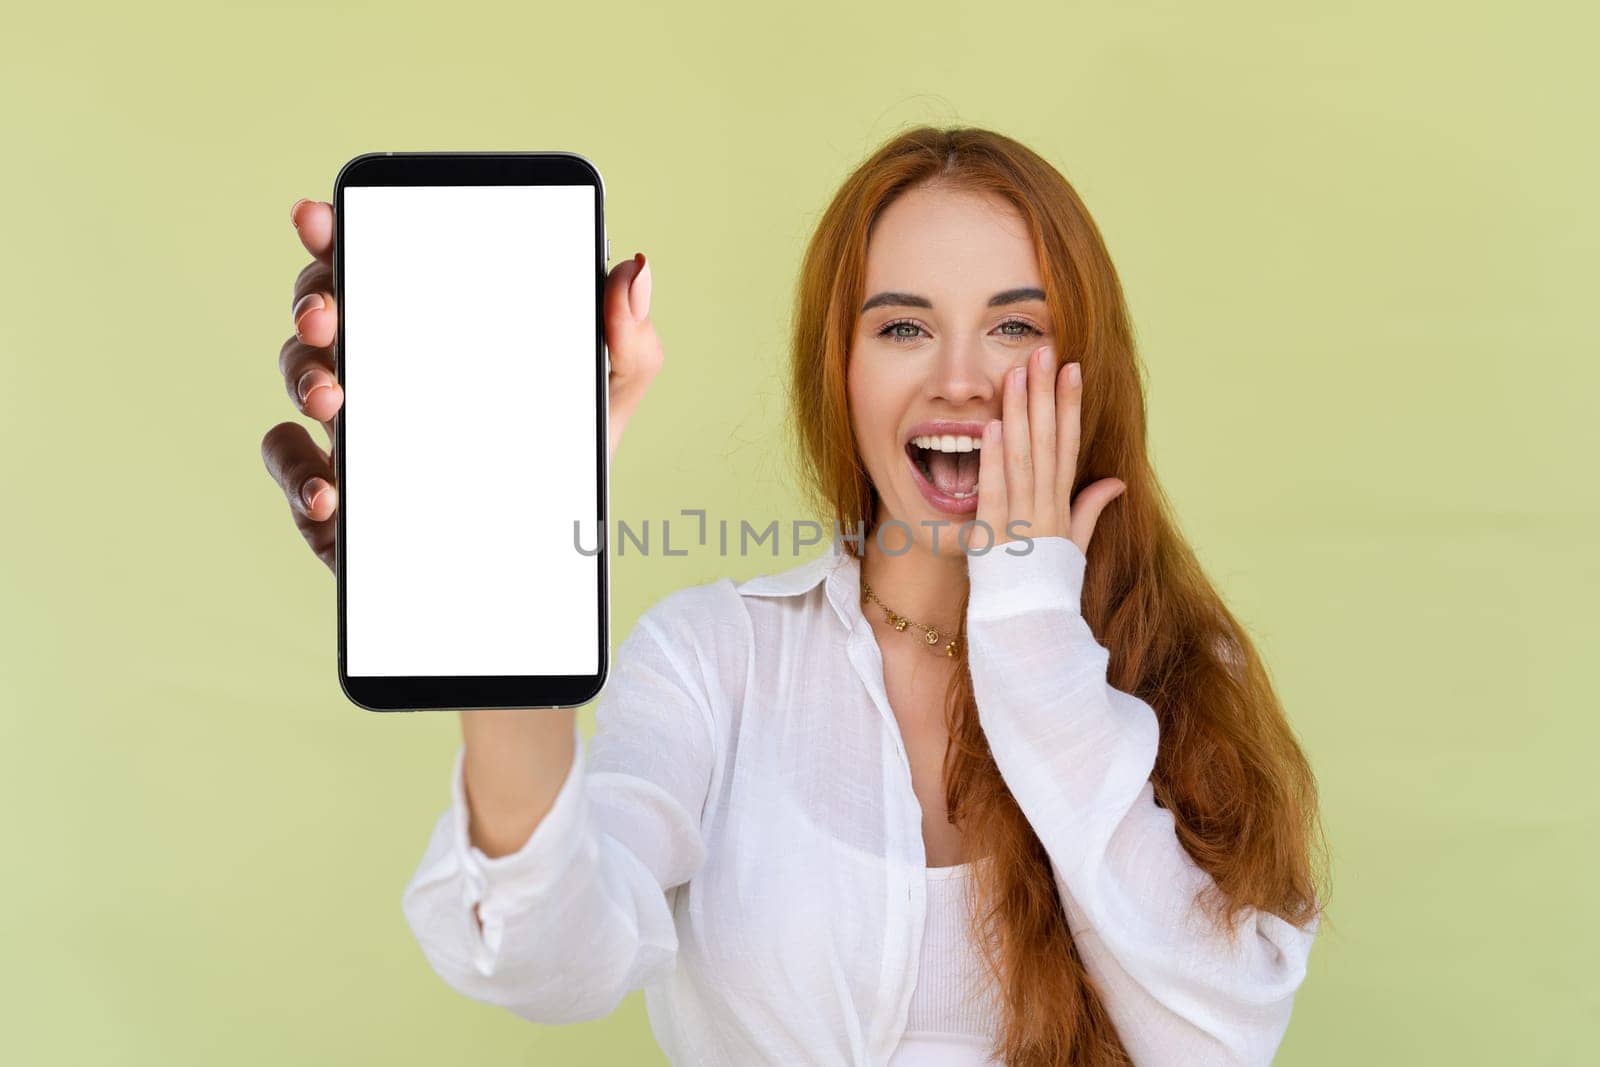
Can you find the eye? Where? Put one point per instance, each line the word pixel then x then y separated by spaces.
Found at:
pixel 887 332
pixel 1030 329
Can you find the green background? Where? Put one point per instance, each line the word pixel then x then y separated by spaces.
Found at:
pixel 1359 244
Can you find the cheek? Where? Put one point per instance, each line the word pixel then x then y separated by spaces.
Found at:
pixel 881 398
pixel 874 423
pixel 869 406
pixel 870 434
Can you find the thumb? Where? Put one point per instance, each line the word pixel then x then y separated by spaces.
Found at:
pixel 630 333
pixel 631 341
pixel 1087 508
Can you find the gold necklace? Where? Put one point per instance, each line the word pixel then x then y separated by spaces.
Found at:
pixel 898 621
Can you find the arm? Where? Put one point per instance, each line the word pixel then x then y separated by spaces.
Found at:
pixel 512 766
pixel 579 915
pixel 1077 754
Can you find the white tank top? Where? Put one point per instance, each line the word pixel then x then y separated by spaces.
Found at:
pixel 953 1013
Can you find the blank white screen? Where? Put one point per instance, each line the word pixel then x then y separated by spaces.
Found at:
pixel 470 430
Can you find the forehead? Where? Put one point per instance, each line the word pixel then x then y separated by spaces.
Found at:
pixel 942 241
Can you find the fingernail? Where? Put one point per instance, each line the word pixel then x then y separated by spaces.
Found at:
pixel 1074 373
pixel 305 305
pixel 314 488
pixel 639 290
pixel 308 381
pixel 295 210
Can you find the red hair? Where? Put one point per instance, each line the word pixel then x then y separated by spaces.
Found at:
pixel 1229 768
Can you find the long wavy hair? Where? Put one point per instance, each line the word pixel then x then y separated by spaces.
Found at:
pixel 1229 769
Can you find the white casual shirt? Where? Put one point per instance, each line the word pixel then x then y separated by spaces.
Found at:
pixel 743 841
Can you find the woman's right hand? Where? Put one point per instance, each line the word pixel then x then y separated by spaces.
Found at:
pixel 305 472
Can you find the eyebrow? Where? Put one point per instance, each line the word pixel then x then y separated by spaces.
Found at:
pixel 912 300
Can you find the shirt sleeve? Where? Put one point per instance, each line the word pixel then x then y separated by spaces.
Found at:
pixel 1077 755
pixel 581 914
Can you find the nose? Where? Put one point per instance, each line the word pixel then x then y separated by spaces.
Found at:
pixel 960 374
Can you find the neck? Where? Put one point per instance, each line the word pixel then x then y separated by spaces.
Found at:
pixel 917 583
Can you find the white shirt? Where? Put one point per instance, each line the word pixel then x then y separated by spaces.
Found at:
pixel 743 841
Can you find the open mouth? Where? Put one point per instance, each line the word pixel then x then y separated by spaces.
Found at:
pixel 948 463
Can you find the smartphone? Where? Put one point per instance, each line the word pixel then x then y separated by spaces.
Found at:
pixel 471 556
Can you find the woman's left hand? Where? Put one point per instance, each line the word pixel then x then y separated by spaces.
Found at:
pixel 1029 459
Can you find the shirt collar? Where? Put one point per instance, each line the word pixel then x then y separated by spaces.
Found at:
pixel 836 569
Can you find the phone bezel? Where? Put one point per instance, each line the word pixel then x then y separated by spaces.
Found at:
pixel 475 692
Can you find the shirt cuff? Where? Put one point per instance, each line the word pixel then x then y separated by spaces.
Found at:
pixel 499 883
pixel 1048 577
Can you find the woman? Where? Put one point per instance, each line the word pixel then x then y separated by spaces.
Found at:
pixel 913 802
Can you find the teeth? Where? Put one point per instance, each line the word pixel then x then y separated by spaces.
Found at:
pixel 948 442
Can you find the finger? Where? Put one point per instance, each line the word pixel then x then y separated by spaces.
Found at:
pixel 309 379
pixel 314 277
pixel 1042 440
pixel 1019 460
pixel 632 343
pixel 305 474
pixel 630 333
pixel 313 220
pixel 1069 400
pixel 316 319
pixel 991 490
pixel 302 470
pixel 1087 508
